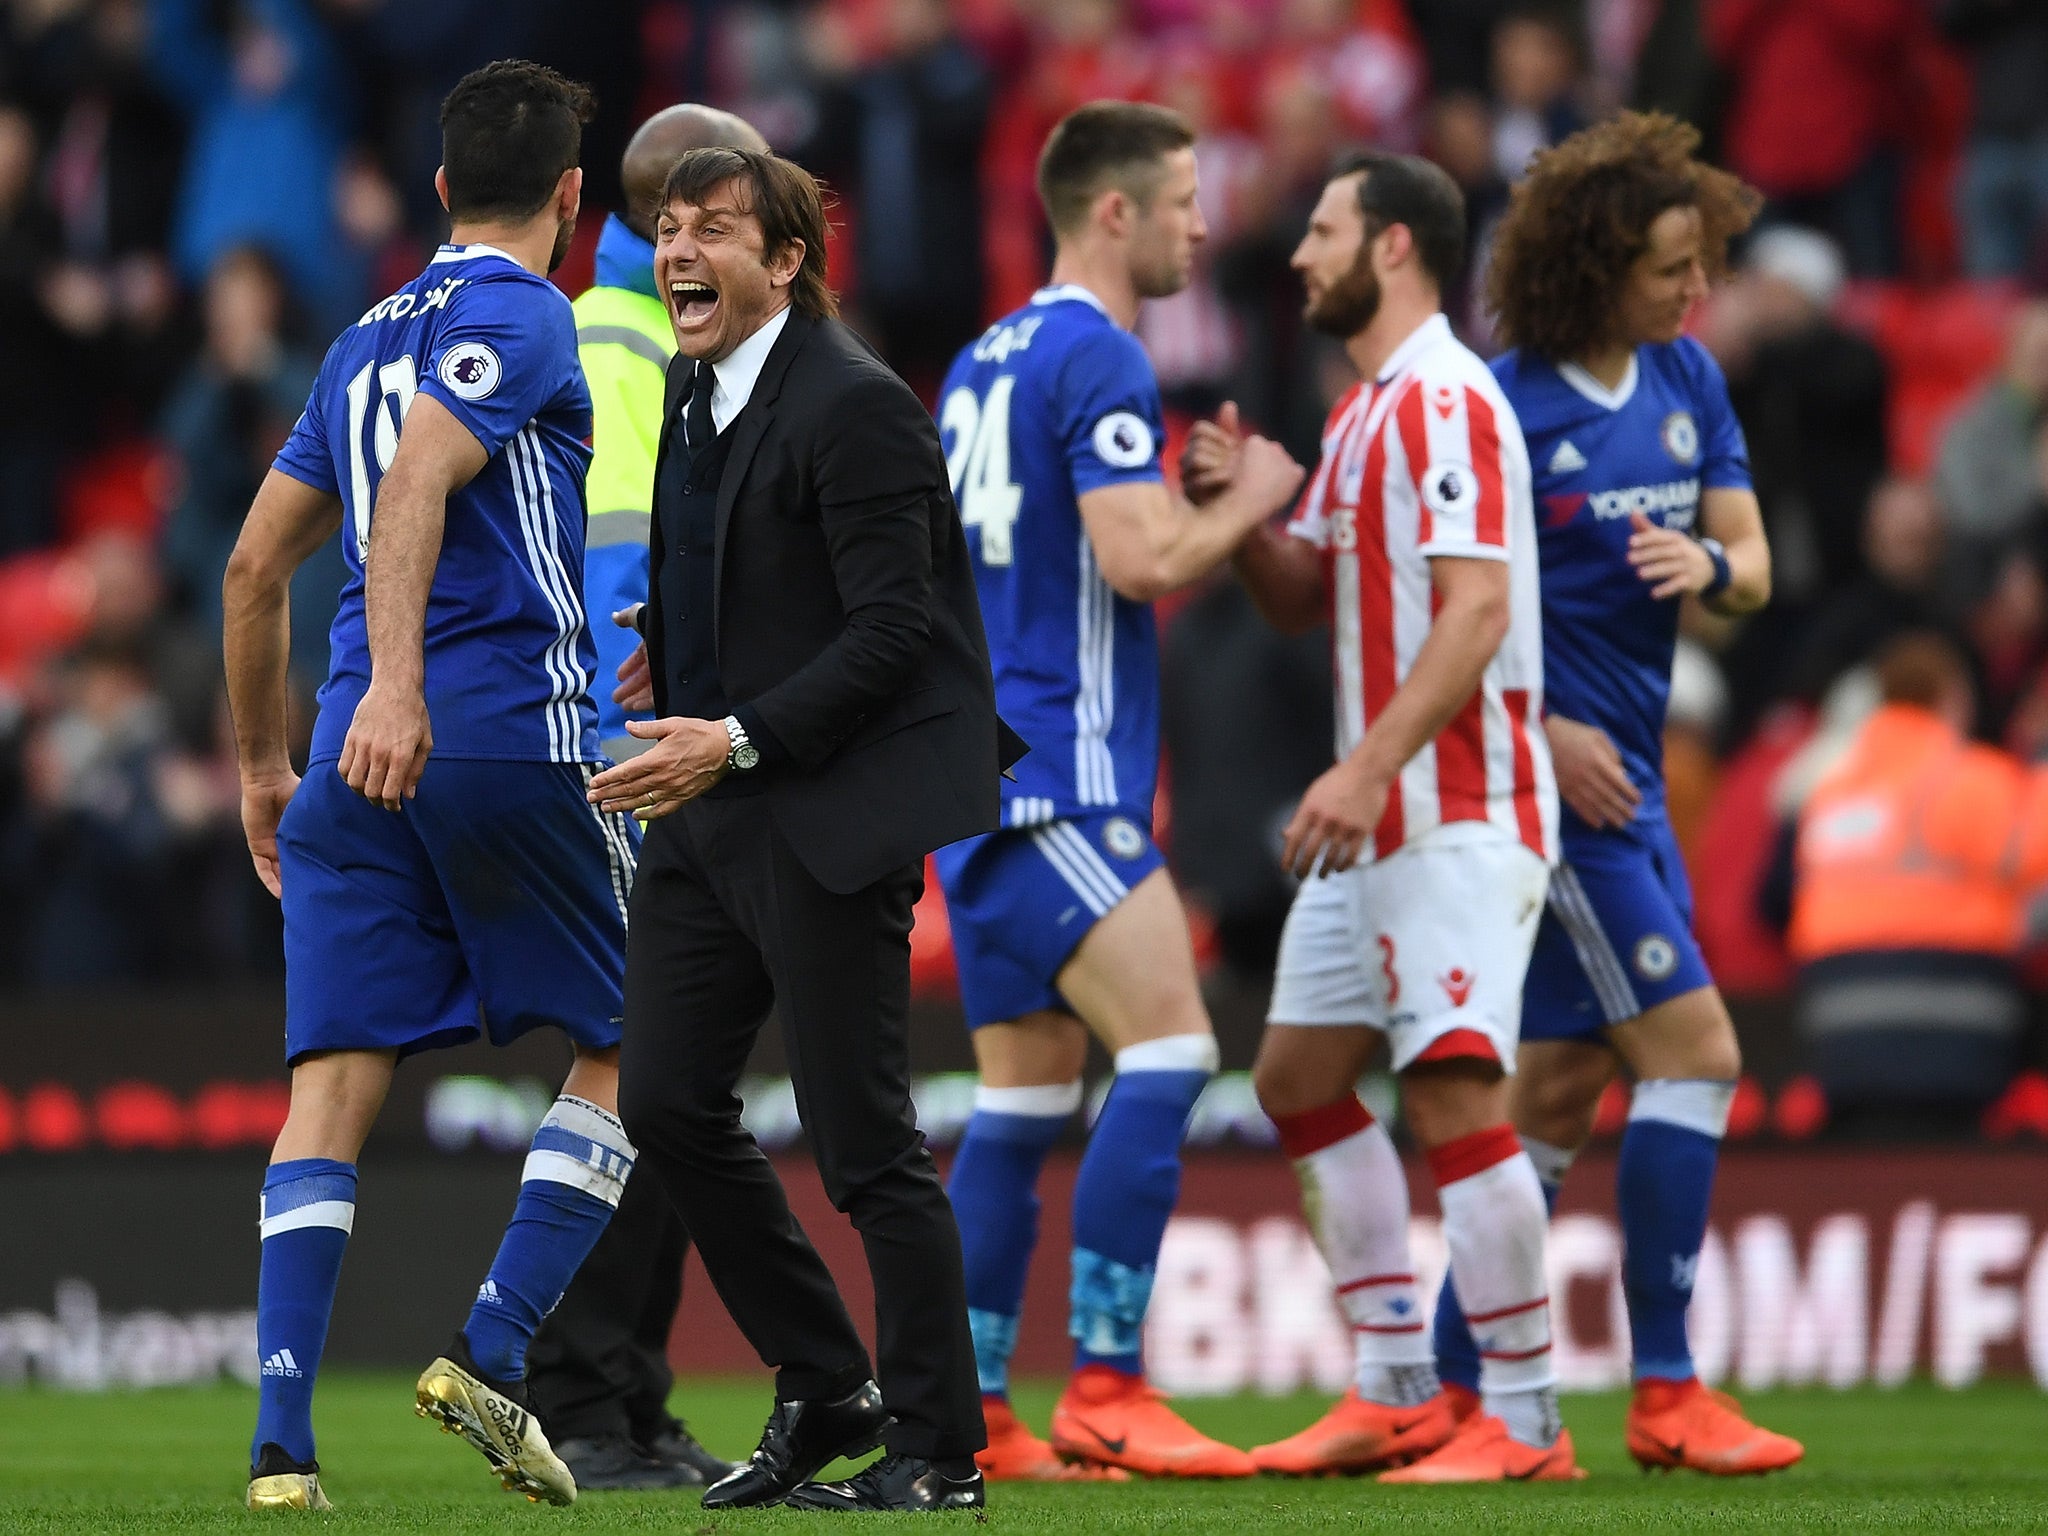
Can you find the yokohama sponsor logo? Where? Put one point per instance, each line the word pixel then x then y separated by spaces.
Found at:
pixel 1671 496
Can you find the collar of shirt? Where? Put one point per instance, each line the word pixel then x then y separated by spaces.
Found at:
pixel 470 253
pixel 733 380
pixel 1064 292
pixel 624 260
pixel 1426 335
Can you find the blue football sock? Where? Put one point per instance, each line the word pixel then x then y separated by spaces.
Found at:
pixel 309 1205
pixel 994 1189
pixel 1662 1187
pixel 1457 1357
pixel 1125 1192
pixel 571 1184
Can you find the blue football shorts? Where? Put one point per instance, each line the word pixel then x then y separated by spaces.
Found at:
pixel 1021 900
pixel 494 903
pixel 1616 936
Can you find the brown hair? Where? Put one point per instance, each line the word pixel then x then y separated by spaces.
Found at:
pixel 783 195
pixel 1921 667
pixel 1105 144
pixel 1407 189
pixel 1582 216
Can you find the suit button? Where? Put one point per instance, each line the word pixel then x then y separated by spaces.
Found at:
pixel 689 490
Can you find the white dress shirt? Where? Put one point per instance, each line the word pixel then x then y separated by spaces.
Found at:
pixel 734 378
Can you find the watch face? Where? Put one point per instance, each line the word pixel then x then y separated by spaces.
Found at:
pixel 746 755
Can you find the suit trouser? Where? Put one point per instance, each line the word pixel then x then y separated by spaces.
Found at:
pixel 726 922
pixel 598 1369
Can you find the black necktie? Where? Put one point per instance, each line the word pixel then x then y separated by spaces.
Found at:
pixel 697 426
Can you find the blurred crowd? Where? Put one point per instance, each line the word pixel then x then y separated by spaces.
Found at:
pixel 195 194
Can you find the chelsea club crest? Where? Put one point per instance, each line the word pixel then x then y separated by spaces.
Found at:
pixel 1120 835
pixel 1681 437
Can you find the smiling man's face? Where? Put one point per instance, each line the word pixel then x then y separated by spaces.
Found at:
pixel 714 273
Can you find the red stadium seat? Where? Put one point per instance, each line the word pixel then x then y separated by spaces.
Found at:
pixel 1940 343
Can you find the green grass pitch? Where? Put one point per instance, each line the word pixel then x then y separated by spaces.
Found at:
pixel 1918 1459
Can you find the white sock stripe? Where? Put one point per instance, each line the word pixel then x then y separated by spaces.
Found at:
pixel 1045 1101
pixel 570 1113
pixel 1603 966
pixel 1552 1163
pixel 1171 1053
pixel 1086 852
pixel 339 1214
pixel 606 1183
pixel 1093 897
pixel 1696 1103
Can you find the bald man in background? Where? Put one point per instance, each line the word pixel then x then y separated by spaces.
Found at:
pixel 599 1368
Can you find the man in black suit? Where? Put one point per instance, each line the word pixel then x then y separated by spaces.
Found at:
pixel 825 717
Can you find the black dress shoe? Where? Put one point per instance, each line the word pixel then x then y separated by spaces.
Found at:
pixel 905 1484
pixel 614 1462
pixel 801 1439
pixel 674 1446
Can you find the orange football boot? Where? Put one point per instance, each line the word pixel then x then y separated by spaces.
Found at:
pixel 1112 1420
pixel 1360 1436
pixel 1683 1424
pixel 1015 1455
pixel 1482 1451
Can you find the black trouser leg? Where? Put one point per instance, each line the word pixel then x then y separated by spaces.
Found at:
pixel 696 992
pixel 598 1368
pixel 841 970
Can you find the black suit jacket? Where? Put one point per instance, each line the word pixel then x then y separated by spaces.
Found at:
pixel 844 610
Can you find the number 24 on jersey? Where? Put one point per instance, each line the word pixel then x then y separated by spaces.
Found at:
pixel 978 462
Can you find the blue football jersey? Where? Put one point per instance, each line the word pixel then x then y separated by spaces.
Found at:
pixel 1051 402
pixel 1652 445
pixel 509 656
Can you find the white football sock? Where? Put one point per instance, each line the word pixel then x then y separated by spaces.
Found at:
pixel 1494 1226
pixel 1355 1196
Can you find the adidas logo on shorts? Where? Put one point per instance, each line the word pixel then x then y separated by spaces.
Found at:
pixel 488 1293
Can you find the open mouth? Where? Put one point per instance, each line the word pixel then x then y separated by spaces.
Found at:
pixel 692 302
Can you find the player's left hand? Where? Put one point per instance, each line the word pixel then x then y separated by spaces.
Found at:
pixel 387 745
pixel 1673 562
pixel 687 758
pixel 1333 821
pixel 263 803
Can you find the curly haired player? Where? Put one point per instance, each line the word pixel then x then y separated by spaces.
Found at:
pixel 1643 497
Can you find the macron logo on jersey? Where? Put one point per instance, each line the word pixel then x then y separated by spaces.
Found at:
pixel 1567 460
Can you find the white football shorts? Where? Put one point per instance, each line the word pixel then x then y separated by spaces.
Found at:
pixel 1434 938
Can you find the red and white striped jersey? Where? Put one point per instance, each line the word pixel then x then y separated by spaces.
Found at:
pixel 1427 460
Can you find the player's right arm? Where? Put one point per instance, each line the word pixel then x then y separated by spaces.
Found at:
pixel 1150 540
pixel 288 521
pixel 390 737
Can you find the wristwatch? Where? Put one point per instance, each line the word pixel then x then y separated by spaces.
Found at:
pixel 1723 574
pixel 744 754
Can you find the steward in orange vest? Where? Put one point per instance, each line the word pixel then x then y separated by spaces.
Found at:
pixel 1915 855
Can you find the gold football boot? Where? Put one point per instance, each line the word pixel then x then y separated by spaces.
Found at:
pixel 506 1431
